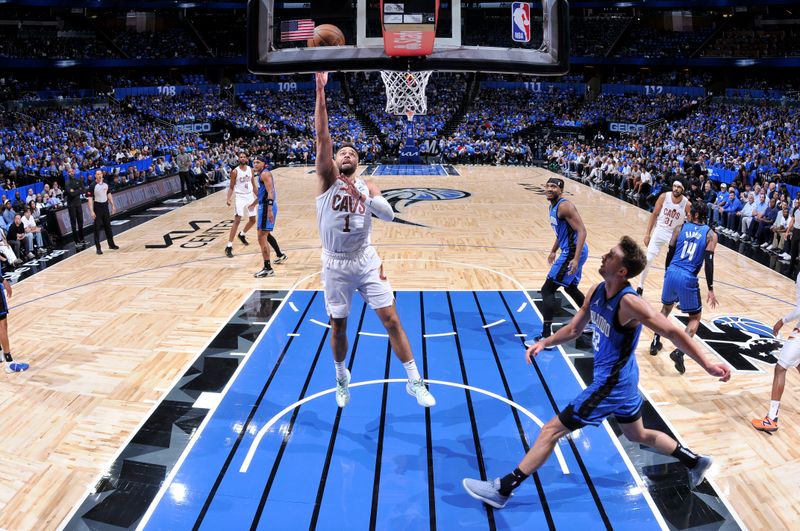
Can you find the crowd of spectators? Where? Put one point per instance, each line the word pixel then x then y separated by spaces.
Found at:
pixel 776 41
pixel 668 78
pixel 759 144
pixel 40 43
pixel 45 142
pixel 653 43
pixel 593 36
pixel 174 42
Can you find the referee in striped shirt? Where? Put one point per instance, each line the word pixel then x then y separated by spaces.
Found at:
pixel 99 198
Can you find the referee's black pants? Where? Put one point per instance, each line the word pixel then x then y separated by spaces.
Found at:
pixel 102 217
pixel 76 220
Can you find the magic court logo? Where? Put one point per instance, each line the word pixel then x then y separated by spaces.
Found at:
pixel 538 189
pixel 197 236
pixel 739 341
pixel 402 198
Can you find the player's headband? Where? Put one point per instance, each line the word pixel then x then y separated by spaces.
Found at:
pixel 261 158
pixel 678 183
pixel 556 181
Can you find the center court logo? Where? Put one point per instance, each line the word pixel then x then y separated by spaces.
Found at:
pixel 400 198
pixel 739 341
pixel 539 189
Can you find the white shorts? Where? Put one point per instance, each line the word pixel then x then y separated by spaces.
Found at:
pixel 343 275
pixel 240 207
pixel 657 241
pixel 790 352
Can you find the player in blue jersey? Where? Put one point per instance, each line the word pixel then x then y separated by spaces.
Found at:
pixel 7 360
pixel 567 268
pixel 617 313
pixel 267 204
pixel 691 247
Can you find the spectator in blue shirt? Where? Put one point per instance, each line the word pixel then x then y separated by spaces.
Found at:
pixel 719 203
pixel 731 207
pixel 760 229
pixel 8 213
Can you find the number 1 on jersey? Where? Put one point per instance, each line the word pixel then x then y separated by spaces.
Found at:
pixel 346 223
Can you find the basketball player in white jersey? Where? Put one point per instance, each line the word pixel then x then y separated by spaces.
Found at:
pixel 243 185
pixel 345 205
pixel 788 358
pixel 669 213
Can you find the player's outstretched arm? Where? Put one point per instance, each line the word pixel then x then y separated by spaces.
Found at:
pixel 326 168
pixel 634 308
pixel 377 204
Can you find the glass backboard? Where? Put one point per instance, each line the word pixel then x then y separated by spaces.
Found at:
pixel 470 36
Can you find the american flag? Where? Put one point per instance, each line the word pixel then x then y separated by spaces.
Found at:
pixel 297 30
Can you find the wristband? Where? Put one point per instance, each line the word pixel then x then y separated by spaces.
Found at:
pixel 270 201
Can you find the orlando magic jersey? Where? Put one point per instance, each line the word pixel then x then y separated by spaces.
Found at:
pixel 690 248
pixel 344 223
pixel 614 346
pixel 262 191
pixel 566 235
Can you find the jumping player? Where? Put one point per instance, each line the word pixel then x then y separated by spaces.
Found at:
pixel 617 314
pixel 345 205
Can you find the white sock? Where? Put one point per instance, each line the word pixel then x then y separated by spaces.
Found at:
pixel 773 408
pixel 241 233
pixel 230 244
pixel 411 369
pixel 643 275
pixel 341 370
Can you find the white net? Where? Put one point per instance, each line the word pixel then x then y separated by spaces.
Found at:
pixel 405 92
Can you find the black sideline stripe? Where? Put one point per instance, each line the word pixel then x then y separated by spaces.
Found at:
pixel 535 476
pixel 571 443
pixel 334 431
pixel 376 481
pixel 253 410
pixel 274 472
pixel 428 431
pixel 473 423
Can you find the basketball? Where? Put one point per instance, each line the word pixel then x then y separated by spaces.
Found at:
pixel 326 35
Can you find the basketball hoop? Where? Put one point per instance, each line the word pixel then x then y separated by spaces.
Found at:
pixel 405 92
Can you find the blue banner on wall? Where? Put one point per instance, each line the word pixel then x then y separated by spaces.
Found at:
pixel 282 86
pixel 166 90
pixel 653 90
pixel 536 86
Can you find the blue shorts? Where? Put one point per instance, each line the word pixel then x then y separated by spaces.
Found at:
pixel 681 286
pixel 558 273
pixel 592 407
pixel 263 222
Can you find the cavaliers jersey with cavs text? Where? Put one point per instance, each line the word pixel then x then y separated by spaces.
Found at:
pixel 672 215
pixel 244 181
pixel 344 223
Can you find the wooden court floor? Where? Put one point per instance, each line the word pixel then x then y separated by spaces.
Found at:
pixel 108 335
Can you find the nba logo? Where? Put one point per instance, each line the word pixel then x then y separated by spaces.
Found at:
pixel 521 21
